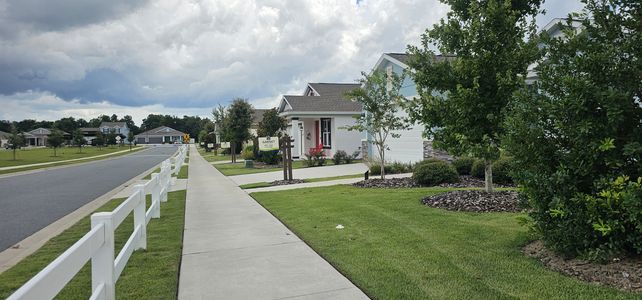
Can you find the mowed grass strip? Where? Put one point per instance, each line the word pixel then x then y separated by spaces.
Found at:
pixel 212 157
pixel 393 247
pixel 319 179
pixel 149 274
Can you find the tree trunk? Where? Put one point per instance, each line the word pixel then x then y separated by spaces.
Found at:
pixel 383 163
pixel 14 153
pixel 488 174
pixel 54 151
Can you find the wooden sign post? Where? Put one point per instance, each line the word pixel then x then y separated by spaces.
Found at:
pixel 286 149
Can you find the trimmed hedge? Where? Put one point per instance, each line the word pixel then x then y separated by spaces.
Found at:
pixel 464 165
pixel 434 172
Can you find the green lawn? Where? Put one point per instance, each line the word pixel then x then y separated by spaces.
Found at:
pixel 393 247
pixel 240 169
pixel 149 274
pixel 319 179
pixel 211 157
pixel 43 155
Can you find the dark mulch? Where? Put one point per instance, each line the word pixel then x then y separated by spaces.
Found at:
pixel 388 183
pixel 624 274
pixel 286 182
pixel 465 181
pixel 475 201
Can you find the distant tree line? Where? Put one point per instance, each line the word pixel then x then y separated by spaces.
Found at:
pixel 188 124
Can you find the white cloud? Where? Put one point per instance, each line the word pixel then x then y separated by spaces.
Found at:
pixel 173 54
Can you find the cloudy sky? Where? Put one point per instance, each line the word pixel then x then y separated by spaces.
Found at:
pixel 83 58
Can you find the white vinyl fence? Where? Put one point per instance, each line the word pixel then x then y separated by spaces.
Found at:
pixel 98 243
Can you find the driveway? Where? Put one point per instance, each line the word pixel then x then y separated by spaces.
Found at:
pixel 30 202
pixel 303 173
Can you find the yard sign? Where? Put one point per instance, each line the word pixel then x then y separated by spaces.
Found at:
pixel 225 145
pixel 268 143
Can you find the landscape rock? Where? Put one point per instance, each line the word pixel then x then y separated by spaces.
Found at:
pixel 475 201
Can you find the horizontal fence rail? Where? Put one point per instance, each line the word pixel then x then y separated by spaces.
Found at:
pixel 97 245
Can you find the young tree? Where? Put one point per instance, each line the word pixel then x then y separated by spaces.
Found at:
pixel 110 138
pixel 272 124
pixel 236 124
pixel 130 139
pixel 16 140
pixel 577 138
pixel 78 139
pixel 463 99
pixel 55 139
pixel 99 140
pixel 381 101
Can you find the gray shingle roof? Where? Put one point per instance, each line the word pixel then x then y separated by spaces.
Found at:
pixel 257 116
pixel 402 57
pixel 4 134
pixel 322 104
pixel 333 89
pixel 161 131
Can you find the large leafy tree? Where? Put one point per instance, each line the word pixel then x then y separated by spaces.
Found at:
pixel 236 124
pixel 576 134
pixel 272 124
pixel 99 140
pixel 55 139
pixel 464 94
pixel 381 100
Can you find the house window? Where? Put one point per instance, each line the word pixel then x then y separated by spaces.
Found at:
pixel 326 133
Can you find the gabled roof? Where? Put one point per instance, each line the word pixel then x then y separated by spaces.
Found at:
pixel 401 59
pixel 323 98
pixel 4 134
pixel 257 116
pixel 113 124
pixel 89 129
pixel 41 132
pixel 162 131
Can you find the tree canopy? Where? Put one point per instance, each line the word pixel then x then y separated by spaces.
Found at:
pixel 465 91
pixel 272 124
pixel 55 139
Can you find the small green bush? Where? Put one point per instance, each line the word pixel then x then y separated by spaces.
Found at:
pixel 269 157
pixel 502 169
pixel 376 169
pixel 464 165
pixel 248 153
pixel 434 172
pixel 400 168
pixel 350 158
pixel 478 169
pixel 339 157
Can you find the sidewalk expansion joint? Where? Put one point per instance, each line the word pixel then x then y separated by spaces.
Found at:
pixel 241 248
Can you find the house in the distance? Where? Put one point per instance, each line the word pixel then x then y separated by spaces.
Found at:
pixel 119 128
pixel 257 117
pixel 38 137
pixel 4 138
pixel 317 118
pixel 160 135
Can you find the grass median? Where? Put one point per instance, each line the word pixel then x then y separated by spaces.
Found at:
pixel 230 169
pixel 393 247
pixel 149 274
pixel 45 155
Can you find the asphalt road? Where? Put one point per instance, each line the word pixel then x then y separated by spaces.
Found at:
pixel 30 202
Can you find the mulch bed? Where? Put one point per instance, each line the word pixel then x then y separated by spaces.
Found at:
pixel 391 183
pixel 624 274
pixel 286 182
pixel 475 201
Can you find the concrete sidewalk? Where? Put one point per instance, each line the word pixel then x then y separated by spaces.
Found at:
pixel 234 249
pixel 304 173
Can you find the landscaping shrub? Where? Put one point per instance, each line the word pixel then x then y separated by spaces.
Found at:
pixel 375 169
pixel 350 158
pixel 339 157
pixel 248 153
pixel 399 168
pixel 315 157
pixel 478 169
pixel 434 172
pixel 269 157
pixel 502 170
pixel 464 165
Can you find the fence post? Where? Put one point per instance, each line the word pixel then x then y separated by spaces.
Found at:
pixel 139 216
pixel 163 183
pixel 102 262
pixel 156 196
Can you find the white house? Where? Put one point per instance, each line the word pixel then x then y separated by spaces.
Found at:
pixel 410 146
pixel 317 117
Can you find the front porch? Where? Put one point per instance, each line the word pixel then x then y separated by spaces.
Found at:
pixel 322 131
